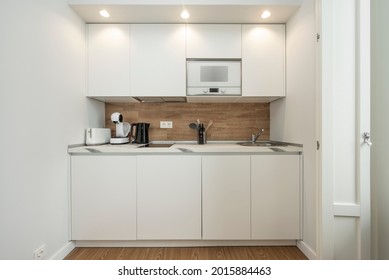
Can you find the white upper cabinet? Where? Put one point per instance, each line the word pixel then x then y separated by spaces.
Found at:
pixel 263 60
pixel 214 41
pixel 149 60
pixel 158 60
pixel 108 60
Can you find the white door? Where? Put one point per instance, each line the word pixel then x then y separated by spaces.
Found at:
pixel 108 62
pixel 226 197
pixel 275 199
pixel 103 193
pixel 169 197
pixel 263 60
pixel 344 116
pixel 213 41
pixel 158 60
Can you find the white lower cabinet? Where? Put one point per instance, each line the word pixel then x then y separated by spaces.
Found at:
pixel 226 197
pixel 275 197
pixel 169 197
pixel 103 193
pixel 186 197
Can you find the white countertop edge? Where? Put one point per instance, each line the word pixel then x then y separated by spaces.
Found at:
pixel 182 148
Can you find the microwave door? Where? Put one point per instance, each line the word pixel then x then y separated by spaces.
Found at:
pixel 213 74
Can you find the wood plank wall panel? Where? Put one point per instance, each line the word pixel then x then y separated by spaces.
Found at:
pixel 231 121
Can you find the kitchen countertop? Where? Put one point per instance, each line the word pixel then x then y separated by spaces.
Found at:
pixel 185 147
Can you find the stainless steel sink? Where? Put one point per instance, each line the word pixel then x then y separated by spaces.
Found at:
pixel 262 144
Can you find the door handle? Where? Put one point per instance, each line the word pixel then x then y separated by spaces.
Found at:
pixel 367 139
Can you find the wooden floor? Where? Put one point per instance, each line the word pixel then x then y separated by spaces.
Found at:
pixel 192 253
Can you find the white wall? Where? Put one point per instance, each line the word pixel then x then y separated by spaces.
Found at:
pixel 293 119
pixel 380 129
pixel 42 110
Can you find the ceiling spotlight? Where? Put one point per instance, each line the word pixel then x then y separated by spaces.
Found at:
pixel 104 13
pixel 185 14
pixel 266 14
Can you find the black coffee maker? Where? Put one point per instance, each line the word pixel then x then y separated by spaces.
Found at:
pixel 141 135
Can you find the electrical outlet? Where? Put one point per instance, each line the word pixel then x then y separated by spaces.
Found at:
pixel 40 253
pixel 166 124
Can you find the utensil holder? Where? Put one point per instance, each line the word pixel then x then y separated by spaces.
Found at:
pixel 202 135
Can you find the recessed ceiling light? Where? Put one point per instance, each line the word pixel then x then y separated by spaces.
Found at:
pixel 266 14
pixel 104 13
pixel 185 14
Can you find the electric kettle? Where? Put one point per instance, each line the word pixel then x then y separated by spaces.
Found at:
pixel 141 135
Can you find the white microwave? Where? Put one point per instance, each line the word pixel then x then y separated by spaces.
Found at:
pixel 214 77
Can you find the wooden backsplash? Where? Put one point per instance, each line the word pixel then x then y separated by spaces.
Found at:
pixel 232 121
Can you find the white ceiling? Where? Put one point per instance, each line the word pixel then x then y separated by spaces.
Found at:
pixel 130 11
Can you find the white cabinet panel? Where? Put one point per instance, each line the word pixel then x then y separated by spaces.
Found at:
pixel 169 197
pixel 275 197
pixel 186 197
pixel 158 60
pixel 108 59
pixel 103 197
pixel 214 41
pixel 226 197
pixel 263 60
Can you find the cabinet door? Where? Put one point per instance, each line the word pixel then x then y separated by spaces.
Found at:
pixel 226 197
pixel 275 197
pixel 158 60
pixel 263 60
pixel 103 197
pixel 214 41
pixel 108 59
pixel 169 197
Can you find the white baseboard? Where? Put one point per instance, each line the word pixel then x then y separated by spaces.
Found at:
pixel 64 251
pixel 307 251
pixel 185 243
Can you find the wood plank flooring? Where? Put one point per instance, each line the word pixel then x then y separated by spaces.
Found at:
pixel 188 253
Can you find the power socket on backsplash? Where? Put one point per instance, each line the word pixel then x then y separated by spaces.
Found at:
pixel 166 124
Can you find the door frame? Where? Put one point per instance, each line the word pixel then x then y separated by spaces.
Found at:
pixel 363 125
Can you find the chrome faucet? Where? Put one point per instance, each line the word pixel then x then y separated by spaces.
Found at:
pixel 254 137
